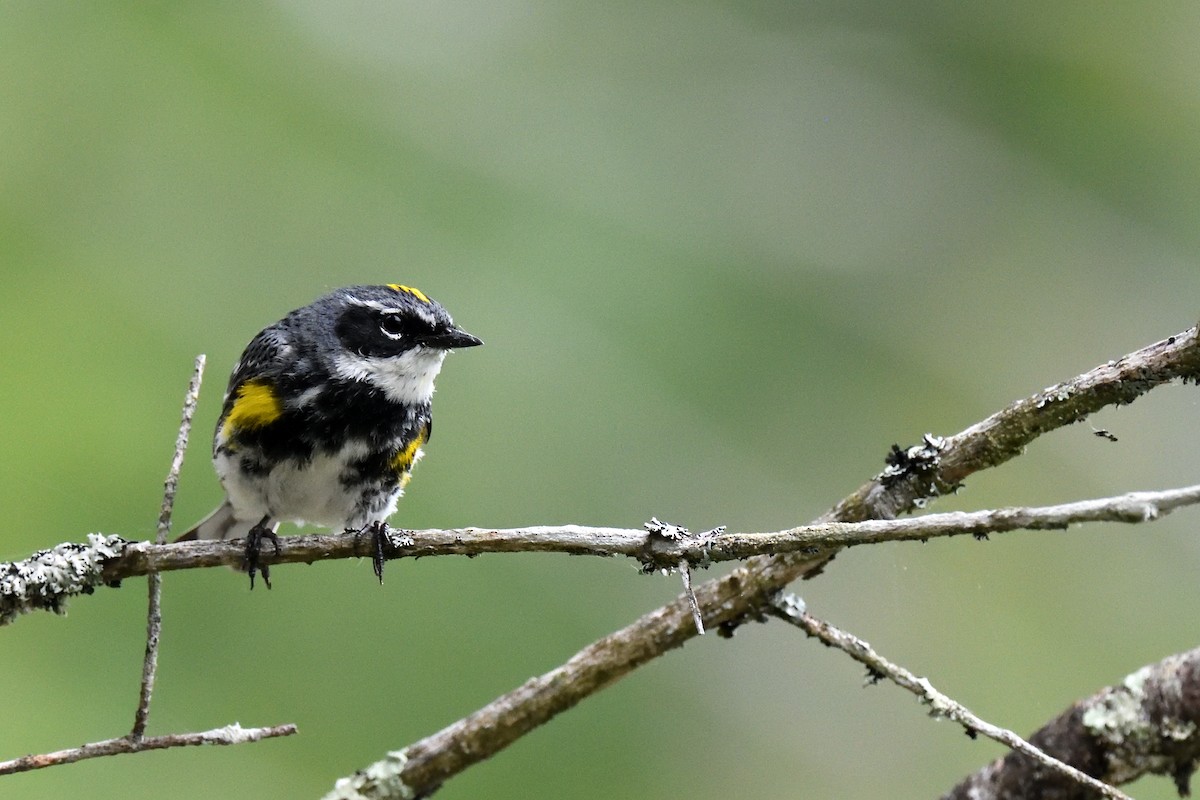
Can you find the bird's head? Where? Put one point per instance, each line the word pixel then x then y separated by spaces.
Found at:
pixel 393 337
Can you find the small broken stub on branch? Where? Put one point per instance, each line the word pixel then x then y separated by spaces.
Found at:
pixel 667 549
pixel 667 544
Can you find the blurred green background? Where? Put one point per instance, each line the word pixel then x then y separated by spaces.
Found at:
pixel 723 255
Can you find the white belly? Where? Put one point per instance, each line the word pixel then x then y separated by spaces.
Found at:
pixel 310 491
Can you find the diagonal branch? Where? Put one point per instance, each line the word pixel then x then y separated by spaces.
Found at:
pixel 1005 434
pixel 914 475
pixel 1149 723
pixel 790 608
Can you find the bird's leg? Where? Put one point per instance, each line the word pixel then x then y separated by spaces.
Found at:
pixel 381 537
pixel 378 537
pixel 262 530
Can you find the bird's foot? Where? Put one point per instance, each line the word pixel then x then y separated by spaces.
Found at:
pixel 254 541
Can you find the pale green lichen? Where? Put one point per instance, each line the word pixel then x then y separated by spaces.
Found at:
pixel 379 780
pixel 1119 717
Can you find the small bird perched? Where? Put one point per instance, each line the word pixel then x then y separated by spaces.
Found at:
pixel 325 415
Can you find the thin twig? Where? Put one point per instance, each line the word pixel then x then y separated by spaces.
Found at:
pixel 790 608
pixel 230 734
pixel 171 484
pixel 427 764
pixel 154 580
pixel 685 570
pixel 77 564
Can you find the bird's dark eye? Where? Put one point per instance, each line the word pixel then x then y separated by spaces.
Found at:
pixel 393 325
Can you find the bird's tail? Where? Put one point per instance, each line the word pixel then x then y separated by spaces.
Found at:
pixel 220 524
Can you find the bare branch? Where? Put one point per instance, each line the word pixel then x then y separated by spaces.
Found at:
pixel 121 559
pixel 154 580
pixel 48 578
pixel 936 467
pixel 230 734
pixel 790 608
pixel 913 476
pixel 1148 723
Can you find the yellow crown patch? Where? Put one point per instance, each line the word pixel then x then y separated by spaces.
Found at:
pixel 417 293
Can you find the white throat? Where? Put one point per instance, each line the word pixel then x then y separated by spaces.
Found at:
pixel 406 379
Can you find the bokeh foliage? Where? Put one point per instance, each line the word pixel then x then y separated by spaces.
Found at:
pixel 722 254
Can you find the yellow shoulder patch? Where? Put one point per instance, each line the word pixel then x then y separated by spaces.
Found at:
pixel 403 460
pixel 255 406
pixel 417 293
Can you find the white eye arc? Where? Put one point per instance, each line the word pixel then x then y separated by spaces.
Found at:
pixel 392 326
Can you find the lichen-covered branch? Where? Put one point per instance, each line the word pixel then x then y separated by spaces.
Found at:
pixel 791 609
pixel 1148 723
pixel 45 580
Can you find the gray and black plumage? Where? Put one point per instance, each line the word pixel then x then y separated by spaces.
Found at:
pixel 326 413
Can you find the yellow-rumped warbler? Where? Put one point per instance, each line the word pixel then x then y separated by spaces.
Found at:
pixel 326 412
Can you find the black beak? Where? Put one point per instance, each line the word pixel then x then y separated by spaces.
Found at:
pixel 451 339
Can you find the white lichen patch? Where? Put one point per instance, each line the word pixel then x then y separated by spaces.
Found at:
pixel 1055 394
pixel 46 579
